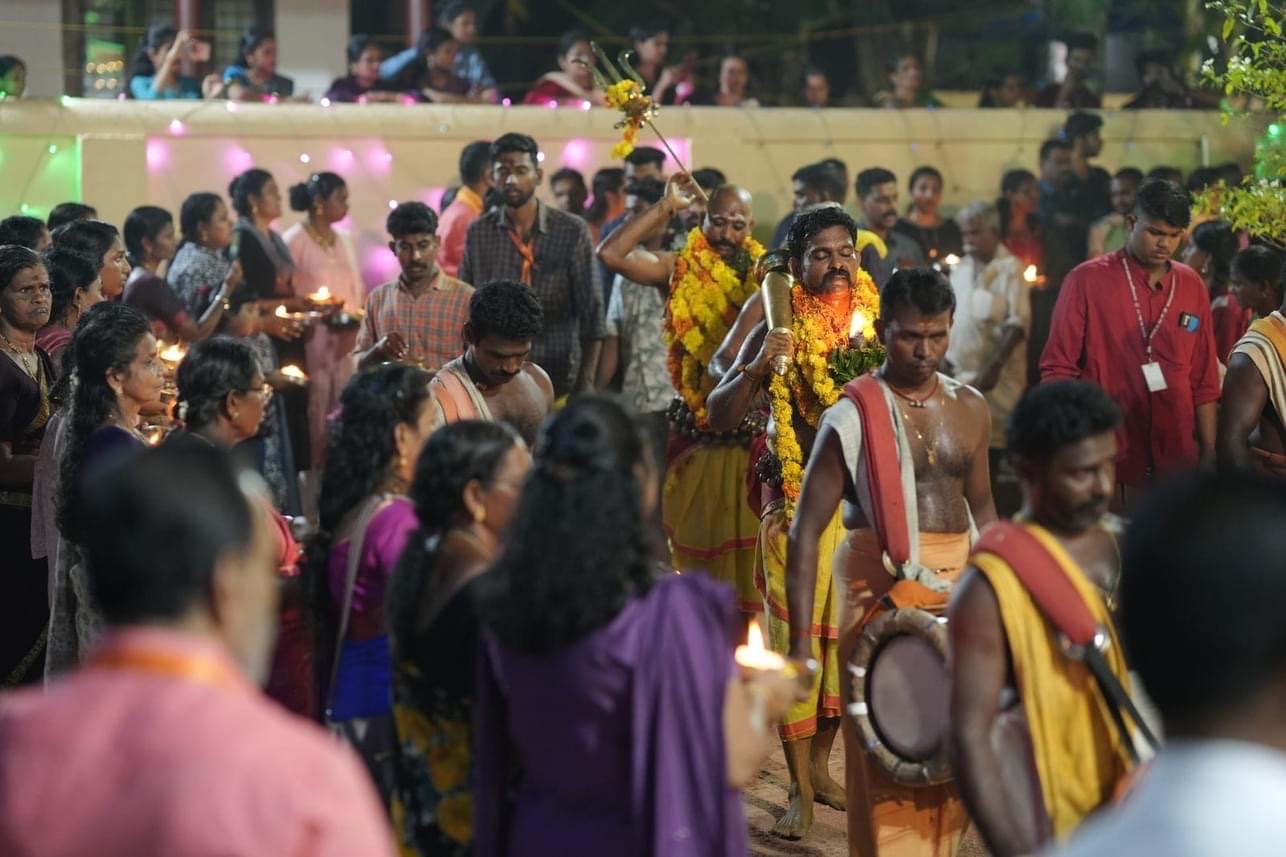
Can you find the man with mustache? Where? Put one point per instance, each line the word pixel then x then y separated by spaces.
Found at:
pixel 549 251
pixel 1138 325
pixel 1006 659
pixel 418 316
pixel 905 450
pixel 824 261
pixel 877 192
pixel 494 380
pixel 703 508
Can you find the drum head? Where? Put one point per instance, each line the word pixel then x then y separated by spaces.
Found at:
pixel 907 690
pixel 899 696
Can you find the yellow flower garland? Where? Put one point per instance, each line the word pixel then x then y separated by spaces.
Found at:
pixel 705 296
pixel 808 388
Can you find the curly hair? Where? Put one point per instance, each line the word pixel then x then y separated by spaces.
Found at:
pixel 105 340
pixel 507 309
pixel 359 455
pixel 1049 417
pixel 578 547
pixel 456 454
pixel 411 218
pixel 808 223
pixel 211 370
pixel 70 271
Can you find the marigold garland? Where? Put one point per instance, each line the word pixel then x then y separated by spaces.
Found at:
pixel 809 386
pixel 705 297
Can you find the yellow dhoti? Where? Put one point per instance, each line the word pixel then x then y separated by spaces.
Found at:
pixel 709 524
pixel 900 821
pixel 770 577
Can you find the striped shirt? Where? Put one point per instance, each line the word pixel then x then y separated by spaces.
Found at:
pixel 431 324
pixel 564 277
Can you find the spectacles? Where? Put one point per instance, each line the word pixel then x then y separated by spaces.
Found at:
pixel 264 390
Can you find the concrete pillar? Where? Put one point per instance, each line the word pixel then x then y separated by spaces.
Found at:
pixel 36 37
pixel 311 38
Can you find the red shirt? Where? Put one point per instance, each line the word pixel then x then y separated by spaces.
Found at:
pixel 453 226
pixel 1231 321
pixel 1095 336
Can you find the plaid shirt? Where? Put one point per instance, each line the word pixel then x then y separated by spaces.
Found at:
pixel 431 324
pixel 564 277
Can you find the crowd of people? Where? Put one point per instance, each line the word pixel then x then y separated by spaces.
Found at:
pixel 443 517
pixel 447 65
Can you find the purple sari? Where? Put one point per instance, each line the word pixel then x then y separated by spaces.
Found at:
pixel 620 736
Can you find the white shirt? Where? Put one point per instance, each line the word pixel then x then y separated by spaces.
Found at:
pixel 991 299
pixel 1198 799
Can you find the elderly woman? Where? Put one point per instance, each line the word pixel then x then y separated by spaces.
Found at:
pixel 26 374
pixel 223 397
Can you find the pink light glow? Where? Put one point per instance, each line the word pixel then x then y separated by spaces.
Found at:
pixel 325 102
pixel 237 160
pixel 552 104
pixel 505 102
pixel 585 105
pixel 576 153
pixel 378 159
pixel 345 225
pixel 341 159
pixel 432 197
pixel 177 128
pixel 409 100
pixel 683 148
pixel 379 265
pixel 158 155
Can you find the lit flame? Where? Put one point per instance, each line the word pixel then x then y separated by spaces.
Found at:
pixel 952 259
pixel 281 311
pixel 296 374
pixel 855 329
pixel 321 295
pixel 173 353
pixel 1030 273
pixel 753 655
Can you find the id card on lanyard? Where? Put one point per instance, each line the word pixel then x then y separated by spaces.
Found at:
pixel 1152 374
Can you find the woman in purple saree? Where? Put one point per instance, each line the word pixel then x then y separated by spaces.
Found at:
pixel 611 718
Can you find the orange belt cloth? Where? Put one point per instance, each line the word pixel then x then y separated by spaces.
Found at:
pixel 526 249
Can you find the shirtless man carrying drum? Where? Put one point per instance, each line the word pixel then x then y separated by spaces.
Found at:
pixel 1034 746
pixel 906 450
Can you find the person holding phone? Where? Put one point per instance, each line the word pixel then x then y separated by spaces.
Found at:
pixel 155 72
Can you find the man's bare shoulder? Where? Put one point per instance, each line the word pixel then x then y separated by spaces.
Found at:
pixel 540 378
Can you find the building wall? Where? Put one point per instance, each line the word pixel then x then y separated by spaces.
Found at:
pixel 124 154
pixel 32 32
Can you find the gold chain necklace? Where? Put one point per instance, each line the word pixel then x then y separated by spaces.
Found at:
pixel 929 451
pixel 23 357
pixel 324 243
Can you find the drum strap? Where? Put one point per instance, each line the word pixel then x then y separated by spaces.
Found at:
pixel 1046 582
pixel 883 467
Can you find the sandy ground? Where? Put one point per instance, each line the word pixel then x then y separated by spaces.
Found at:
pixel 766 802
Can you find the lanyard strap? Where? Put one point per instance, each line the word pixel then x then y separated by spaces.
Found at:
pixel 1138 311
pixel 201 669
pixel 526 249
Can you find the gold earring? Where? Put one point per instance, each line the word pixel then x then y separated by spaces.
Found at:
pixel 479 516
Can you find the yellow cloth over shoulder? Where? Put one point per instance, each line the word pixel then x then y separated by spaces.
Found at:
pixel 1078 751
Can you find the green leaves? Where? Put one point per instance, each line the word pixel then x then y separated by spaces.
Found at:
pixel 849 363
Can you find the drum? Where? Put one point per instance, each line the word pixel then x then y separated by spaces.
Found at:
pixel 901 695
